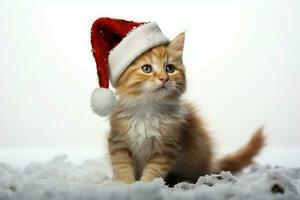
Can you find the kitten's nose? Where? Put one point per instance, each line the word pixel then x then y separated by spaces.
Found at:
pixel 164 79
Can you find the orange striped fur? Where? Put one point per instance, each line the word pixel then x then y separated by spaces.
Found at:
pixel 154 133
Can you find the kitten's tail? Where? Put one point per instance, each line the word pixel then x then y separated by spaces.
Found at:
pixel 240 159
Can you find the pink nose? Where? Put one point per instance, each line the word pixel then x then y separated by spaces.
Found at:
pixel 164 79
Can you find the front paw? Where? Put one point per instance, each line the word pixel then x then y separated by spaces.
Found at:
pixel 146 178
pixel 127 179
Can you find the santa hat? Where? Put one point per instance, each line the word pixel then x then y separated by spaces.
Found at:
pixel 116 43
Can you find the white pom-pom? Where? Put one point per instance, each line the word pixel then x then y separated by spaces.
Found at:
pixel 103 101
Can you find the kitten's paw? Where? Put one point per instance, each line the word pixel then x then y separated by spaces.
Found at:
pixel 147 178
pixel 127 180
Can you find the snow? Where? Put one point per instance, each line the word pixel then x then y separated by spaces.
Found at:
pixel 59 178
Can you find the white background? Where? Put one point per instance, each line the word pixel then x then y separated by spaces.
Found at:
pixel 242 60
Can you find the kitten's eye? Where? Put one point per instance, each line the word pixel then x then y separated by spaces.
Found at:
pixel 147 68
pixel 170 68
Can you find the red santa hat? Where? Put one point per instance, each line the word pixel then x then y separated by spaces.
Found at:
pixel 116 43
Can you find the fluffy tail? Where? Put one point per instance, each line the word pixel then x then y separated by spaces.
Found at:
pixel 243 157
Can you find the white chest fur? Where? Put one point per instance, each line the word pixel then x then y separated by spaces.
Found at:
pixel 144 136
pixel 144 126
pixel 144 130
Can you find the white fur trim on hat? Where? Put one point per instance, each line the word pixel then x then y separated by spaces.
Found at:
pixel 136 42
pixel 103 101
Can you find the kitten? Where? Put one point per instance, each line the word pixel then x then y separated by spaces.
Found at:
pixel 154 133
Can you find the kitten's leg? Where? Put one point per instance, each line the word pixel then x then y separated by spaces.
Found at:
pixel 121 160
pixel 158 166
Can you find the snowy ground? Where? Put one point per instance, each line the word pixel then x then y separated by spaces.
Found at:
pixel 62 179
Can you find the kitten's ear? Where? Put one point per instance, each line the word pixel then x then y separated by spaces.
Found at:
pixel 177 44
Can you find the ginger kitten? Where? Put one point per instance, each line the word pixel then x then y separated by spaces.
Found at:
pixel 154 133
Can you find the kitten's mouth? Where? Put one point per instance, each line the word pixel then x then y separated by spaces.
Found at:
pixel 160 88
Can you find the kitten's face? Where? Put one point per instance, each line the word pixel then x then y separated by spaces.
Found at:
pixel 158 73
